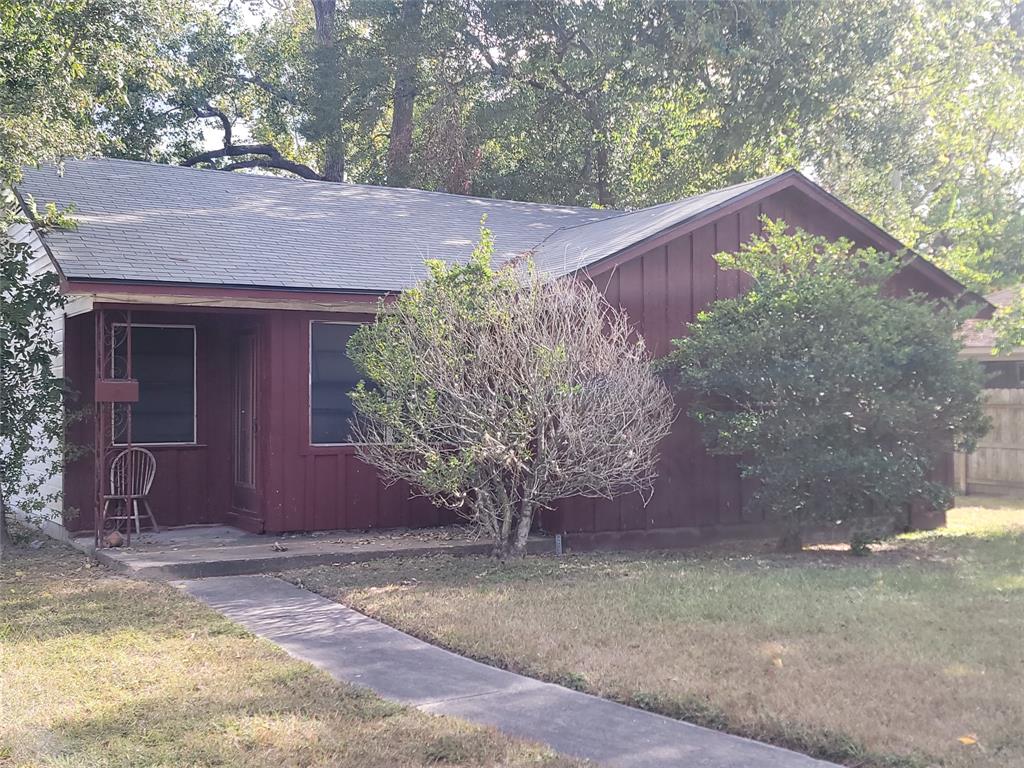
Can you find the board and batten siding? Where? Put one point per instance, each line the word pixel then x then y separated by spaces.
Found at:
pixel 663 289
pixel 52 482
pixel 320 487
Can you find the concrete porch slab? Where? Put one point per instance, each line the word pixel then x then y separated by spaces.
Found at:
pixel 194 552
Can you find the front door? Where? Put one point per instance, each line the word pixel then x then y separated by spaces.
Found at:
pixel 245 496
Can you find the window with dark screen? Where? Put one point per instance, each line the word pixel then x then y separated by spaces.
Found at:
pixel 1001 374
pixel 332 375
pixel 164 363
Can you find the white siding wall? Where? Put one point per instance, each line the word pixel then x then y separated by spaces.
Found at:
pixel 41 263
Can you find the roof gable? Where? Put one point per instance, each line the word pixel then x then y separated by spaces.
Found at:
pixel 570 249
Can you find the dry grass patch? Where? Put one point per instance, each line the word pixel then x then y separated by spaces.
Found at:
pixel 886 660
pixel 97 670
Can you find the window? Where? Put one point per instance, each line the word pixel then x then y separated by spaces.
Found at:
pixel 164 363
pixel 331 377
pixel 1003 375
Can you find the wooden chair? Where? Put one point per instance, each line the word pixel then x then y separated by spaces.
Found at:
pixel 131 476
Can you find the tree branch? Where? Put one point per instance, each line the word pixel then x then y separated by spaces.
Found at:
pixel 280 164
pixel 278 93
pixel 209 111
pixel 271 159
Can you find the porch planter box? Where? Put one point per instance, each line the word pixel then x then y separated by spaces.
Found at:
pixel 117 391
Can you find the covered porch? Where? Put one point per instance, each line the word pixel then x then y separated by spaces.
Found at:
pixel 243 410
pixel 179 387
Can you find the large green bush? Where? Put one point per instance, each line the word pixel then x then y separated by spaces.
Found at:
pixel 840 399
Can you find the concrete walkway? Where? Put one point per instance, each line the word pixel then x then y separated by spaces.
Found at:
pixel 360 650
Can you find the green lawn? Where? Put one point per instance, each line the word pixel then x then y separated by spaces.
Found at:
pixel 887 660
pixel 96 670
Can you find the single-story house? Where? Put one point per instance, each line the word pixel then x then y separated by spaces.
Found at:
pixel 229 299
pixel 996 467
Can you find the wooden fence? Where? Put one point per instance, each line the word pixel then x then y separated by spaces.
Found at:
pixel 996 468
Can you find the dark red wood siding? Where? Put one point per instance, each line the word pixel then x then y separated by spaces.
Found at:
pixel 321 487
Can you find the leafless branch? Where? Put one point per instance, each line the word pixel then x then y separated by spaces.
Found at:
pixel 225 122
pixel 278 93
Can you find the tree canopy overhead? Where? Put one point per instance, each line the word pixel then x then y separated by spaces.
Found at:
pixel 911 112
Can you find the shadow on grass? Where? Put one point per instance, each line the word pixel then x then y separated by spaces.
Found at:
pixel 295 718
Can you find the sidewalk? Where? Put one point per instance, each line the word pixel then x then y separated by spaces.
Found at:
pixel 360 650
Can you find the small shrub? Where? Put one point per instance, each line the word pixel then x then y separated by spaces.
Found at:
pixel 573 680
pixel 861 541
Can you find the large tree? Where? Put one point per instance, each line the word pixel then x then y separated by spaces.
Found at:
pixel 930 144
pixel 61 63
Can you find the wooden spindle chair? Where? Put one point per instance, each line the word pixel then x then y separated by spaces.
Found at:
pixel 131 476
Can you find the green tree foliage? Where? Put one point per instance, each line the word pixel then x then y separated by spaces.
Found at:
pixel 498 393
pixel 60 62
pixel 840 398
pixel 1009 325
pixel 31 404
pixel 930 145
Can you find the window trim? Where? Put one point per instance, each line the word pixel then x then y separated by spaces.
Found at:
pixel 195 392
pixel 309 384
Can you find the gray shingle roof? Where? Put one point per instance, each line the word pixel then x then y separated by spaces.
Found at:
pixel 154 223
pixel 573 247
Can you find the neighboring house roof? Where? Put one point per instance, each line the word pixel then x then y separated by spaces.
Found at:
pixel 1005 297
pixel 979 335
pixel 147 223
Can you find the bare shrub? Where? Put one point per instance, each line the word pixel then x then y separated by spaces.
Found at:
pixel 498 393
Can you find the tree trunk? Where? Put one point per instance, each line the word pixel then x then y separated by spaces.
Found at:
pixel 328 61
pixel 604 196
pixel 334 158
pixel 404 98
pixel 597 118
pixel 522 537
